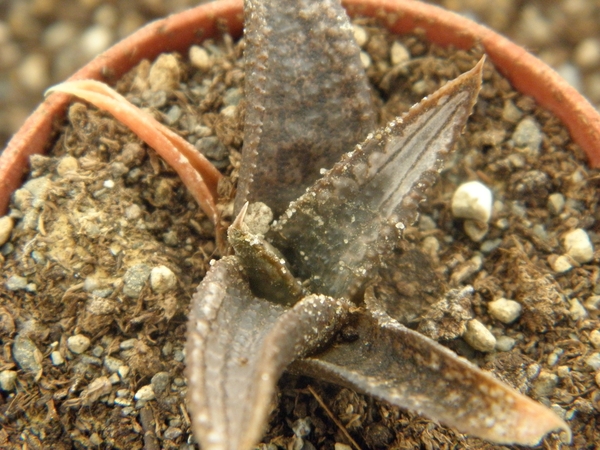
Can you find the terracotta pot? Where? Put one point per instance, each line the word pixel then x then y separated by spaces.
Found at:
pixel 178 32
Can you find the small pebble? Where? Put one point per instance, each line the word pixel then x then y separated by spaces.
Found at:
pixel 556 203
pixel 112 364
pixel 16 283
pixel 577 311
pixel 172 433
pixel 475 229
pixel 66 165
pixel 505 343
pixel 587 53
pixel 479 337
pixel 200 58
pixel 160 382
pixel 597 379
pixel 561 264
pixel 162 279
pixel 134 279
pixel 505 310
pixel 593 303
pixel 472 200
pixel 26 354
pixel 95 40
pixel 490 245
pixel 545 384
pixel 145 394
pixel 78 343
pixel 578 245
pixel 365 59
pixel 128 344
pixel 56 358
pixel 8 380
pixel 398 53
pixel 165 73
pixel 528 135
pixel 360 35
pixel 511 113
pixel 593 361
pixel 563 371
pixel 123 371
pixel 340 446
pixel 595 338
pixel 6 226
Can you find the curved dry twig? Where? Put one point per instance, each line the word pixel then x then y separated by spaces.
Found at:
pixel 196 172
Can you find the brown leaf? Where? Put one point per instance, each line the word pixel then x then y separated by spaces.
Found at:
pixel 403 367
pixel 237 348
pixel 336 232
pixel 307 95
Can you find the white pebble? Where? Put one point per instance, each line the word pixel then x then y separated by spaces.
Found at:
pixel 587 53
pixel 365 59
pixel 78 343
pixel 472 200
pixel 479 337
pixel 95 40
pixel 505 343
pixel 398 53
pixel 593 361
pixel 57 358
pixel 577 311
pixel 66 165
pixel 8 380
pixel 165 73
pixel 475 229
pixel 145 393
pixel 6 226
pixel 505 310
pixel 556 203
pixel 162 279
pixel 33 72
pixel 360 35
pixel 578 245
pixel 593 303
pixel 595 338
pixel 561 264
pixel 528 135
pixel 199 57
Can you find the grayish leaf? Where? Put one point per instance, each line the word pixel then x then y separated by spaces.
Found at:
pixel 307 95
pixel 334 234
pixel 237 348
pixel 407 369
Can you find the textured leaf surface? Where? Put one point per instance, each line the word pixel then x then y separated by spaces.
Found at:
pixel 407 369
pixel 334 234
pixel 237 348
pixel 307 95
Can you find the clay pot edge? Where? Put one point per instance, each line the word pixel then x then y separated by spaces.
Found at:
pixel 178 32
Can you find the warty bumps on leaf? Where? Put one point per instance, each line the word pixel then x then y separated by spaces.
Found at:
pixel 309 109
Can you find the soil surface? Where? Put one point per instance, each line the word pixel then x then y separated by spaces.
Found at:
pixel 107 248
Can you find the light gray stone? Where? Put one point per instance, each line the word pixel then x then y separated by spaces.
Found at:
pixel 578 245
pixel 479 337
pixel 505 310
pixel 78 343
pixel 472 200
pixel 8 380
pixel 162 279
pixel 27 355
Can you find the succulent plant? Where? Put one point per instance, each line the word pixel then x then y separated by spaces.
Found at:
pixel 342 192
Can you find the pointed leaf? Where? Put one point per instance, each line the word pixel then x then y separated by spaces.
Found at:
pixel 268 272
pixel 335 232
pixel 237 348
pixel 403 367
pixel 307 95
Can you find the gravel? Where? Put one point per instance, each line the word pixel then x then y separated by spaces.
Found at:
pixel 43 42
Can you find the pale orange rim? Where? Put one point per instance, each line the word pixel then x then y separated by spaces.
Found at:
pixel 527 73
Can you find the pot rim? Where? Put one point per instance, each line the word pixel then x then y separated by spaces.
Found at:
pixel 178 32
